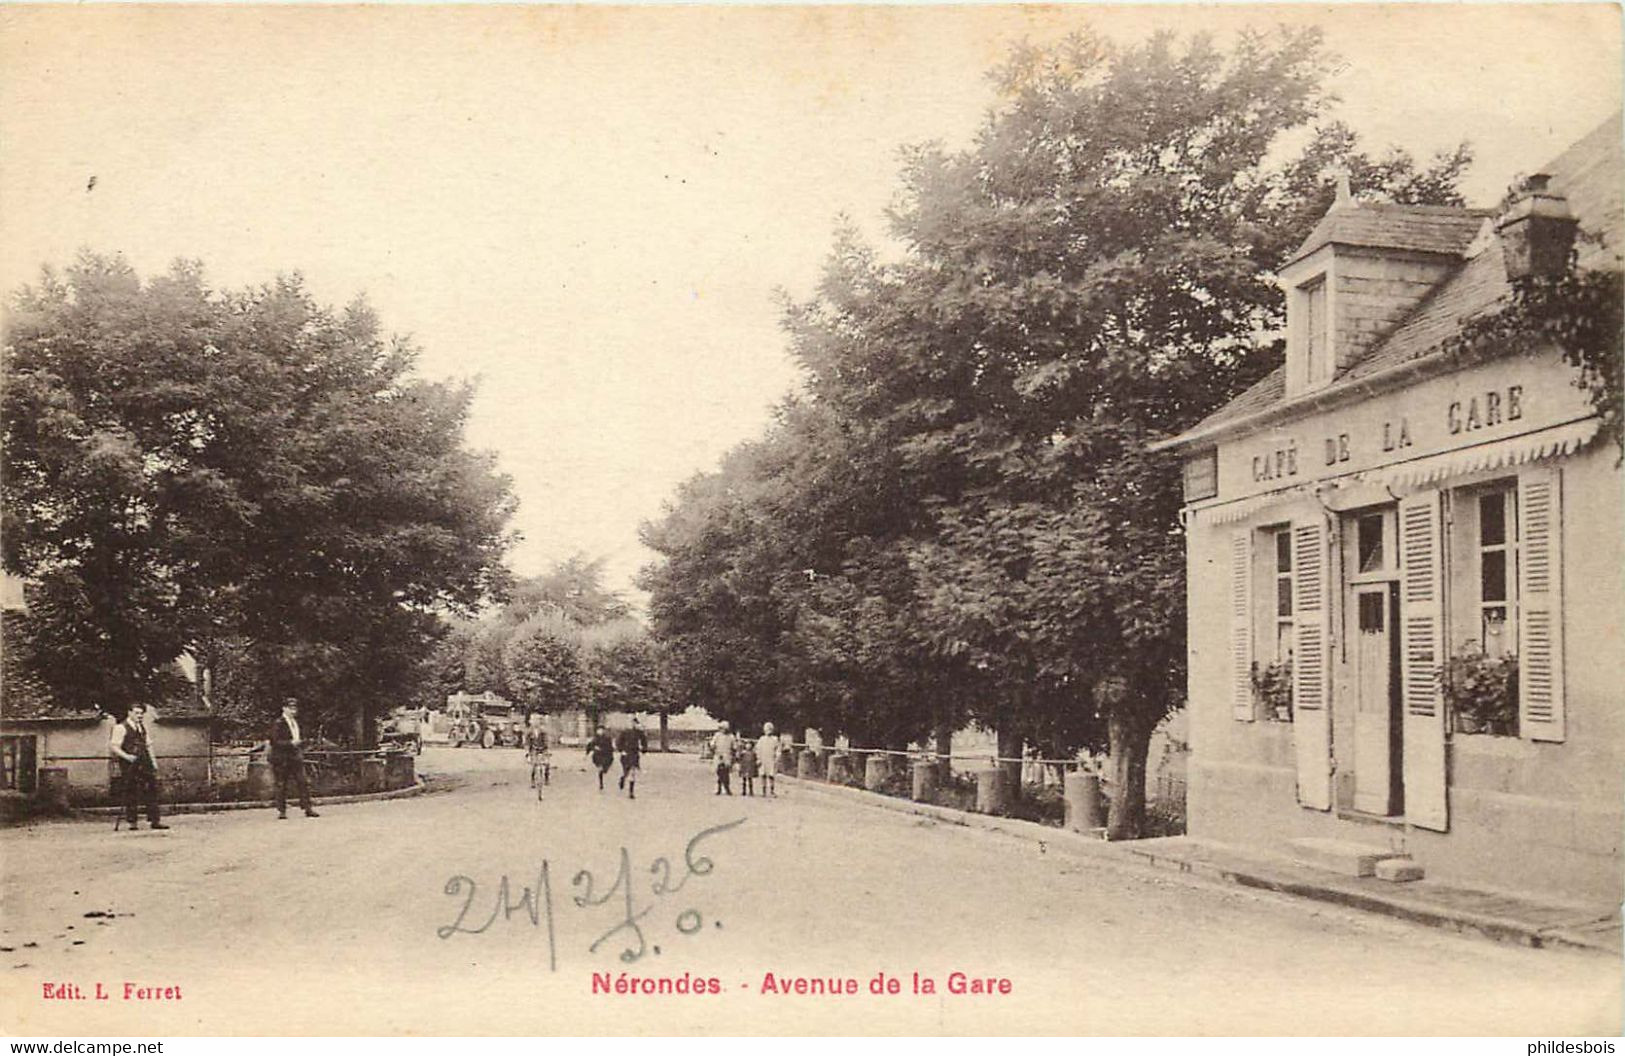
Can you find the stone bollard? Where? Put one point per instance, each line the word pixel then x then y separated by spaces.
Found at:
pixel 400 770
pixel 1085 809
pixel 372 775
pixel 876 769
pixel 787 760
pixel 261 782
pixel 992 790
pixel 807 764
pixel 53 787
pixel 925 781
pixel 840 769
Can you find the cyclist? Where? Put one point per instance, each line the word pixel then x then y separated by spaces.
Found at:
pixel 539 753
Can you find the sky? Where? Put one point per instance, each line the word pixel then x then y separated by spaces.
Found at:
pixel 591 210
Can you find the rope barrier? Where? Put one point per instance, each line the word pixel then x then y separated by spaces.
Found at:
pixel 323 752
pixel 1087 765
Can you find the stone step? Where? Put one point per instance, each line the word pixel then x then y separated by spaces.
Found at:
pixel 1398 870
pixel 1344 857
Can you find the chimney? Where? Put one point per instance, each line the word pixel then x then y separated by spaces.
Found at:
pixel 1536 229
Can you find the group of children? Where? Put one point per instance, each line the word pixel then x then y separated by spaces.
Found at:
pixel 631 743
pixel 760 757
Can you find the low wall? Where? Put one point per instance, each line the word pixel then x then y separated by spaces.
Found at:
pixel 237 774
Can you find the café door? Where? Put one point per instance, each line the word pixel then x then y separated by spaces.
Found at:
pixel 1378 739
pixel 1373 656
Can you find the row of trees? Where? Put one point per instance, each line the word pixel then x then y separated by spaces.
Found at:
pixel 561 641
pixel 958 517
pixel 243 477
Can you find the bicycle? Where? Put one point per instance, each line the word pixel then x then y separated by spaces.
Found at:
pixel 541 765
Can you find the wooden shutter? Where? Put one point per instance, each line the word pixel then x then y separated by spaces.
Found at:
pixel 1421 625
pixel 1311 669
pixel 1241 625
pixel 1540 608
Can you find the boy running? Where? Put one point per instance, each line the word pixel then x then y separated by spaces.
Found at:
pixel 632 744
pixel 602 753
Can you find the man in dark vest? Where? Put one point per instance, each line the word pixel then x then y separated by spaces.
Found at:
pixel 138 767
pixel 288 760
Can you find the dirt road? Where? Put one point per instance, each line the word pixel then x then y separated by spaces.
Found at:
pixel 393 917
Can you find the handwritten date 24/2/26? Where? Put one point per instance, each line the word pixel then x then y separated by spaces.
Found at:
pixel 535 904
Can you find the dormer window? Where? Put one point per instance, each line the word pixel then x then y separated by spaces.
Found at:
pixel 1311 359
pixel 1316 349
pixel 1360 272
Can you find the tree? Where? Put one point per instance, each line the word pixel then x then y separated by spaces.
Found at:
pixel 625 670
pixel 245 476
pixel 1090 275
pixel 573 587
pixel 966 484
pixel 542 658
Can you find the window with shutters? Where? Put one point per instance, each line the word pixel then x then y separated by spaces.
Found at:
pixel 1497 571
pixel 1310 357
pixel 1282 595
pixel 1481 671
pixel 1316 358
pixel 1273 622
pixel 1484 569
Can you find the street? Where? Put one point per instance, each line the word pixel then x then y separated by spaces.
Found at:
pixel 459 912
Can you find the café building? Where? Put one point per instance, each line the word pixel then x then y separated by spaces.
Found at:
pixel 1405 564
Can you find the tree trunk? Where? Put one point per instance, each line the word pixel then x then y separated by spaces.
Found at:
pixel 945 747
pixel 663 719
pixel 363 728
pixel 1128 742
pixel 1009 747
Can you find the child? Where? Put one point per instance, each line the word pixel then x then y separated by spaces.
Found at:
pixel 767 750
pixel 722 753
pixel 747 768
pixel 602 752
pixel 632 744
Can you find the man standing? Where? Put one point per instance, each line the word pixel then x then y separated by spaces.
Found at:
pixel 632 744
pixel 138 767
pixel 288 760
pixel 723 746
pixel 767 753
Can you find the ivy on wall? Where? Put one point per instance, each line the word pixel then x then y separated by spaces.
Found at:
pixel 1581 313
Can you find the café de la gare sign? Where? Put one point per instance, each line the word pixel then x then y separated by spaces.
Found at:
pixel 1491 403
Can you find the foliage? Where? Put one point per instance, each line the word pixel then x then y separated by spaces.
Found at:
pixel 624 667
pixel 575 589
pixel 1272 689
pixel 1482 691
pixel 1582 313
pixel 485 657
pixel 1043 804
pixel 542 664
pixel 1164 818
pixel 959 518
pixel 560 641
pixel 240 475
